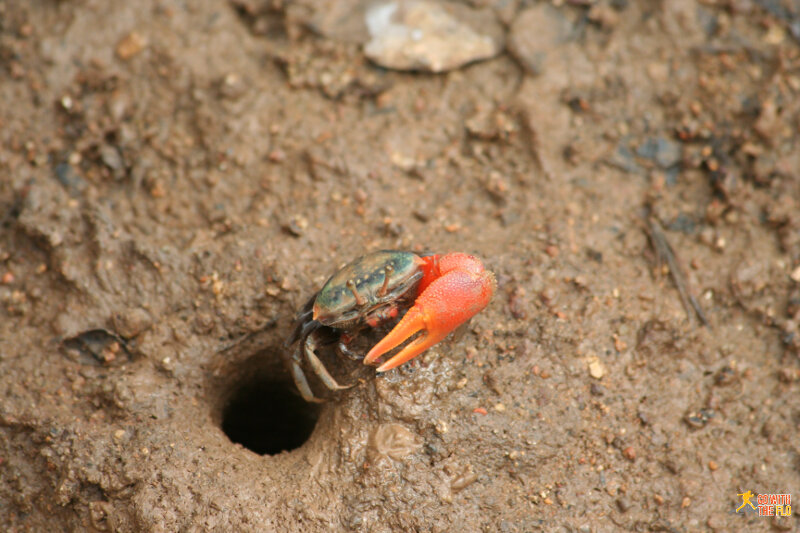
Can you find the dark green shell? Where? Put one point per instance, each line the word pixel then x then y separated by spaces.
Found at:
pixel 335 303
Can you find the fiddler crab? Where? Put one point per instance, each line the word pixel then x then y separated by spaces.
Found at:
pixel 437 293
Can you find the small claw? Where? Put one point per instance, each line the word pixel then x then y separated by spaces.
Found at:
pixel 446 303
pixel 410 325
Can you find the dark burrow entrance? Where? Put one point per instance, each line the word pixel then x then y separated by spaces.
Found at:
pixel 268 417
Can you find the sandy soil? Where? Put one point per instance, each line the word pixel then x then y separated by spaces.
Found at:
pixel 176 178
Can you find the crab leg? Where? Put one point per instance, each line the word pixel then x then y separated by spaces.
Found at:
pixel 301 382
pixel 319 368
pixel 456 288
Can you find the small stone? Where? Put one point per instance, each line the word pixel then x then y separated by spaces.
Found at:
pixel 795 275
pixel 664 152
pixel 119 435
pixel 500 408
pixel 725 376
pixel 430 36
pixel 130 45
pixel 277 156
pixel 604 15
pixel 131 322
pixel 7 278
pixel 673 467
pixel 686 502
pixel 659 499
pixel 596 368
pixel 232 86
pixel 597 390
pixel 492 382
pixel 629 453
pixel 699 419
pixel 297 225
pixel 463 480
pixel 713 466
pixel 623 504
pixel 769 124
pixel 111 157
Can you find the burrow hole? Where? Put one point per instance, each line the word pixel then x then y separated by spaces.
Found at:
pixel 263 412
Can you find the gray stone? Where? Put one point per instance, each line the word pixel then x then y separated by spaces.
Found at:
pixel 662 151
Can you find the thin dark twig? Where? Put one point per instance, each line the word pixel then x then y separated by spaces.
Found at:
pixel 664 253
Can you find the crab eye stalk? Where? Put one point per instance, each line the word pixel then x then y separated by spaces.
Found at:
pixel 360 300
pixel 387 271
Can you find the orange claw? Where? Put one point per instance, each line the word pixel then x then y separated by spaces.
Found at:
pixel 455 287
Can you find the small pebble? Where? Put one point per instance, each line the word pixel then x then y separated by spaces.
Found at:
pixel 7 278
pixel 480 411
pixel 619 344
pixel 277 156
pixel 130 45
pixel 795 275
pixel 699 419
pixel 596 368
pixel 725 376
pixel 629 453
pixel 713 466
pixel 463 480
pixel 500 407
pixel 424 35
pixel 131 322
pixel 597 389
pixel 296 225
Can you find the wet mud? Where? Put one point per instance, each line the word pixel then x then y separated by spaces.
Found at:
pixel 177 178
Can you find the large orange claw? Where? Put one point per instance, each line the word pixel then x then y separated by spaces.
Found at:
pixel 455 288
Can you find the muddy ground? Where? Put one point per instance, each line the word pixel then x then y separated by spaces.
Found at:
pixel 176 178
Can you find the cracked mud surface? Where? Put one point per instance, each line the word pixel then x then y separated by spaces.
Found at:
pixel 177 178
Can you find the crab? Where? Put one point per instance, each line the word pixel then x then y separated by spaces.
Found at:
pixel 437 293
